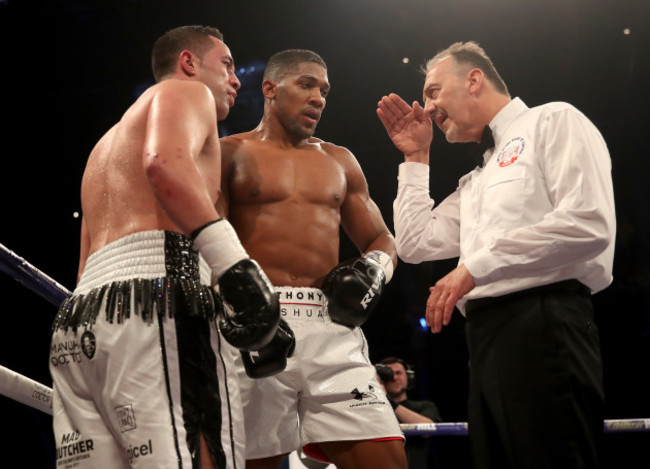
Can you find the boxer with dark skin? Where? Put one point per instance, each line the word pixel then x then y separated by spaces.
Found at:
pixel 287 194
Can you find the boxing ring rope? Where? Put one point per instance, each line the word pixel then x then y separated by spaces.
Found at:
pixel 25 390
pixel 34 394
pixel 28 275
pixel 460 428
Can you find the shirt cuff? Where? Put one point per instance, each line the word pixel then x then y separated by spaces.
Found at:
pixel 413 173
pixel 480 265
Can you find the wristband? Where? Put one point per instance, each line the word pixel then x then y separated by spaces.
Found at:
pixel 383 260
pixel 196 232
pixel 219 245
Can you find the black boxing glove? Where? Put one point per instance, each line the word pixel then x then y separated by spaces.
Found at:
pixel 353 288
pixel 251 309
pixel 272 358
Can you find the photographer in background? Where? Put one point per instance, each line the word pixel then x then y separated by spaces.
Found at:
pixel 396 377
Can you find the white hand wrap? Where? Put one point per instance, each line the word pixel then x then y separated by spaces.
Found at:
pixel 220 247
pixel 383 260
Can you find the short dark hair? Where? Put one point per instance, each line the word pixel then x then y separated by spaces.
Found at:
pixel 287 61
pixel 167 47
pixel 472 55
pixel 392 360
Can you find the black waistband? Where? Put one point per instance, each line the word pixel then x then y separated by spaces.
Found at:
pixel 180 291
pixel 571 285
pixel 151 298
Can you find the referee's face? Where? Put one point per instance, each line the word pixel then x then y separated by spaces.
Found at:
pixel 449 102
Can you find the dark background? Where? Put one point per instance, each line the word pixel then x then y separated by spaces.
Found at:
pixel 71 67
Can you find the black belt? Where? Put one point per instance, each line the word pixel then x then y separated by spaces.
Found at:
pixel 571 285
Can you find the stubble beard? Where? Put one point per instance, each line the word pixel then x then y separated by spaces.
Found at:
pixel 295 129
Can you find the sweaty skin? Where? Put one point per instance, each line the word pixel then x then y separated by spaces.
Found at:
pixel 116 195
pixel 287 204
pixel 158 167
pixel 288 194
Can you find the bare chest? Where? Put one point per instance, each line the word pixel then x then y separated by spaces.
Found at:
pixel 291 176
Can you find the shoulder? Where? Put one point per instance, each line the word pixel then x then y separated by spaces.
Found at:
pixel 554 117
pixel 175 85
pixel 564 118
pixel 556 108
pixel 354 175
pixel 235 148
pixel 103 144
pixel 327 147
pixel 107 139
pixel 338 152
pixel 179 91
pixel 232 144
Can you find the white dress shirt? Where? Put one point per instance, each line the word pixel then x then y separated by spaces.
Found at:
pixel 540 211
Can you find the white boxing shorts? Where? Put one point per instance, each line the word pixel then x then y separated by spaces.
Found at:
pixel 139 369
pixel 328 392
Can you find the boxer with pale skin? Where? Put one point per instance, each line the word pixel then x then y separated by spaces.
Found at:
pixel 157 387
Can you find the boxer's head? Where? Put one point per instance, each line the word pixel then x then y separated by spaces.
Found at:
pixel 295 88
pixel 198 53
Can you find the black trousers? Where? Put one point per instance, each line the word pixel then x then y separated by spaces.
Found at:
pixel 536 393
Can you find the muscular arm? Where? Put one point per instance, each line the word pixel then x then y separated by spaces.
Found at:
pixel 181 118
pixel 360 216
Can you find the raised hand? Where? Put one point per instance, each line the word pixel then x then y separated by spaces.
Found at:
pixel 408 127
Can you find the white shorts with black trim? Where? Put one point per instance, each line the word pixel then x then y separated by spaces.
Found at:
pixel 328 392
pixel 139 369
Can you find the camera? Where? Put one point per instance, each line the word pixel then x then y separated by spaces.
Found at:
pixel 385 373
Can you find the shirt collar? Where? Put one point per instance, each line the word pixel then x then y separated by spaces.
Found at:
pixel 504 117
